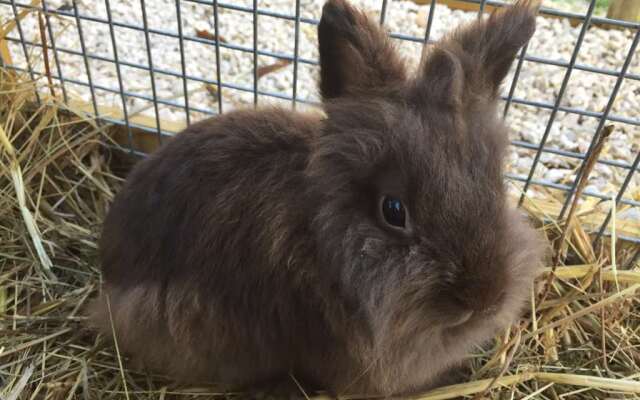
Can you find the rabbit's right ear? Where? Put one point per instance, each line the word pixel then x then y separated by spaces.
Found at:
pixel 356 55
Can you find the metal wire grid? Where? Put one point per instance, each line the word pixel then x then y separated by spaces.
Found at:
pixel 295 58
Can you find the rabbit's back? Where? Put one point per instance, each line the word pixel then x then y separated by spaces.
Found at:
pixel 197 232
pixel 178 209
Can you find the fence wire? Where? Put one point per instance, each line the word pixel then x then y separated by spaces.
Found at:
pixel 255 12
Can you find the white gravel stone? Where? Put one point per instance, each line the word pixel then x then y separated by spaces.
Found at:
pixel 557 175
pixel 630 214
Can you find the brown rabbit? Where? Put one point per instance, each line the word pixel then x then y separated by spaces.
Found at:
pixel 365 252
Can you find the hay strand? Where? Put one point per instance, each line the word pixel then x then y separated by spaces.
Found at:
pixel 18 184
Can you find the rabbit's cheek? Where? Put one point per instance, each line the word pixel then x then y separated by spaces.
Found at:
pixel 525 263
pixel 373 248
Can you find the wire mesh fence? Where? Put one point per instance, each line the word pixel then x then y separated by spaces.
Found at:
pixel 205 57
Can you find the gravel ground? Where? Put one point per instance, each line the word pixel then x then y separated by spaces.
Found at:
pixel 554 39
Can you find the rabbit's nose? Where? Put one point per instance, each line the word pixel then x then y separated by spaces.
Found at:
pixel 481 300
pixel 492 302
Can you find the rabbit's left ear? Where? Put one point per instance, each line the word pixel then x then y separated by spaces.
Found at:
pixel 479 54
pixel 356 55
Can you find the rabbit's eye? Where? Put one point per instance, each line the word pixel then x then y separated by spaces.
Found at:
pixel 393 212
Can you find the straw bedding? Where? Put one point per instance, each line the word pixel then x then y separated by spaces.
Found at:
pixel 581 339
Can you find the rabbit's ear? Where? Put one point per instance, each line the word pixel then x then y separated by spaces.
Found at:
pixel 442 79
pixel 356 55
pixel 486 48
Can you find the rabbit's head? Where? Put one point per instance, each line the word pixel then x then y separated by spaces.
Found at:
pixel 407 174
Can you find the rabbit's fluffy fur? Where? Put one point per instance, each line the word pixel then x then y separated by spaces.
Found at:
pixel 252 245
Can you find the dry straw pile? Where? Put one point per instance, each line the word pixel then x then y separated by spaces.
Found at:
pixel 581 339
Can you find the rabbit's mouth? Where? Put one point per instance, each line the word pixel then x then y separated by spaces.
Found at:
pixel 478 323
pixel 469 329
pixel 461 319
pixel 467 314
